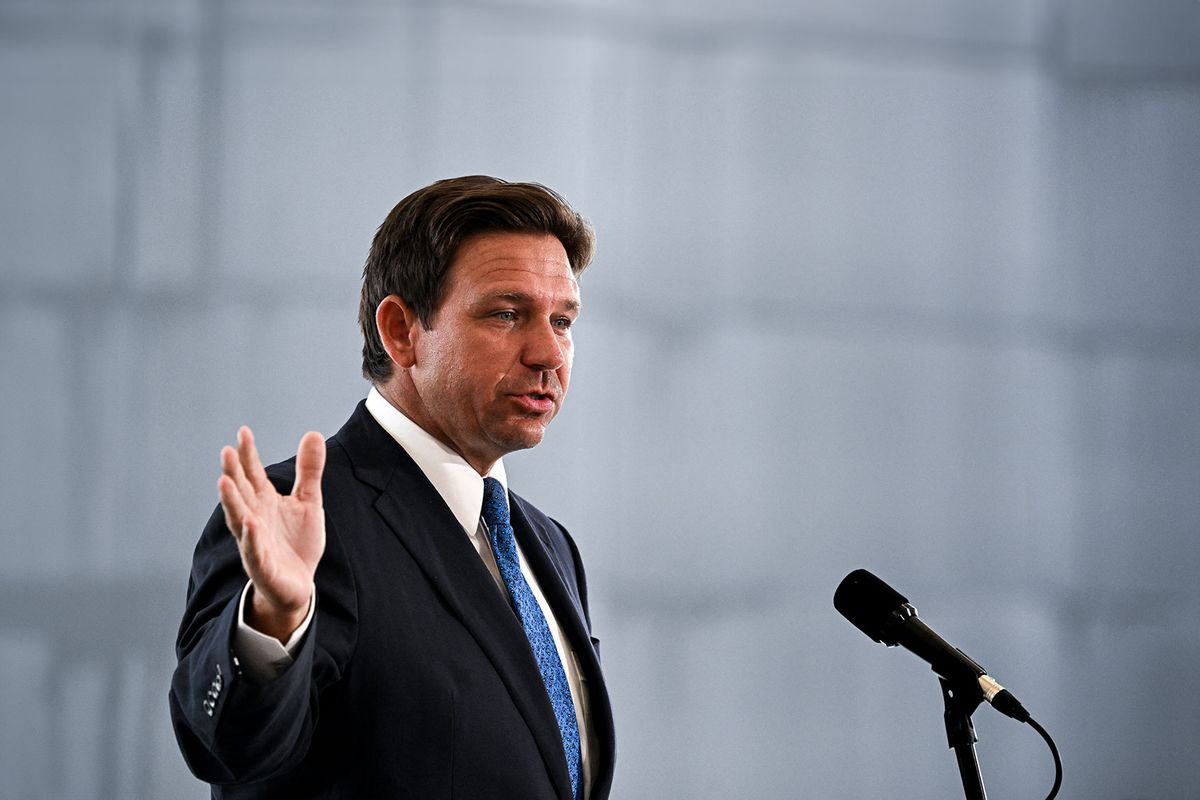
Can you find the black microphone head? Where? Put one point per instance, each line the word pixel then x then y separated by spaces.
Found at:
pixel 870 604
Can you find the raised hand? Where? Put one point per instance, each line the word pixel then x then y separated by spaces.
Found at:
pixel 280 537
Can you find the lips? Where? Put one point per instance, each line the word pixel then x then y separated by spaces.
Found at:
pixel 535 402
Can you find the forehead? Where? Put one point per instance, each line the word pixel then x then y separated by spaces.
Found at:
pixel 529 261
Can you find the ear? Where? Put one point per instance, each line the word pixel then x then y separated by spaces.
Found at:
pixel 399 328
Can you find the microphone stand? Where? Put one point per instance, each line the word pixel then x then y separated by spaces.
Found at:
pixel 961 702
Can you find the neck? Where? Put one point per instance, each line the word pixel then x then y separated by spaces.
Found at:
pixel 402 395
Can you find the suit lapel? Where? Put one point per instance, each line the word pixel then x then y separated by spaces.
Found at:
pixel 426 528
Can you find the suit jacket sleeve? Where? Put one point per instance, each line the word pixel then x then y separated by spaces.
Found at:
pixel 229 728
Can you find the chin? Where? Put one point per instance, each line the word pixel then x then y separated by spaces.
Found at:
pixel 522 439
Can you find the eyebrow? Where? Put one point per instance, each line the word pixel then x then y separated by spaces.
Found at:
pixel 524 298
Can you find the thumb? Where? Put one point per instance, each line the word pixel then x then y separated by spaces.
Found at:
pixel 310 465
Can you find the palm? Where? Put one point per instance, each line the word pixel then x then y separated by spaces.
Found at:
pixel 288 540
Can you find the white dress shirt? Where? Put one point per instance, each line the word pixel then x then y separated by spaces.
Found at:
pixel 264 657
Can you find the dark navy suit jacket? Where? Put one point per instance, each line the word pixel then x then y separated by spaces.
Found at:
pixel 415 679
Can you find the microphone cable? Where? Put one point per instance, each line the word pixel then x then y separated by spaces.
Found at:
pixel 1054 752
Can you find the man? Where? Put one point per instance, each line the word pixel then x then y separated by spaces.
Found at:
pixel 400 625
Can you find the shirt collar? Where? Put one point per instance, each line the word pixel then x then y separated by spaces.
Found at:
pixel 459 485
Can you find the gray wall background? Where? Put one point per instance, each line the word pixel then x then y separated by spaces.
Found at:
pixel 909 286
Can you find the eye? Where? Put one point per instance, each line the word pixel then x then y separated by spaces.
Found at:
pixel 506 316
pixel 563 323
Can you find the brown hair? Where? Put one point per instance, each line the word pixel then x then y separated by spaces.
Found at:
pixel 414 247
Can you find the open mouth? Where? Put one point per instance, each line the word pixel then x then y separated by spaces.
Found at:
pixel 537 402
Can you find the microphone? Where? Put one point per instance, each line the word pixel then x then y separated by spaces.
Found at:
pixel 886 616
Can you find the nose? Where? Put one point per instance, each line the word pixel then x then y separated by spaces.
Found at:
pixel 545 347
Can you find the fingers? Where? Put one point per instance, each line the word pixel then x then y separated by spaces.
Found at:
pixel 310 465
pixel 231 466
pixel 239 493
pixel 251 463
pixel 236 511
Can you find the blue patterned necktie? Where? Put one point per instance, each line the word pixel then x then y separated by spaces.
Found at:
pixel 504 546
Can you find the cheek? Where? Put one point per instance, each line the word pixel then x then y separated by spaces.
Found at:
pixel 445 372
pixel 564 372
pixel 476 380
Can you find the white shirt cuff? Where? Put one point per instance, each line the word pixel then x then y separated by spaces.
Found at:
pixel 264 658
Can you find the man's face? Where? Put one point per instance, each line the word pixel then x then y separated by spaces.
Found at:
pixel 493 370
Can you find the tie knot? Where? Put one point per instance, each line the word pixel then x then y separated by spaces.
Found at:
pixel 495 504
